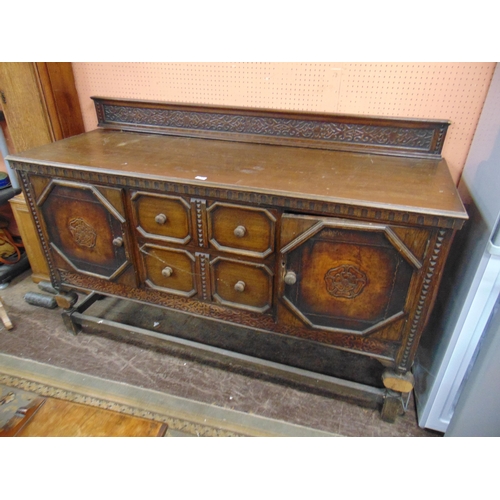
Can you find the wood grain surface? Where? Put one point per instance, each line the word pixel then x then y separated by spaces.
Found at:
pixel 289 171
pixel 58 418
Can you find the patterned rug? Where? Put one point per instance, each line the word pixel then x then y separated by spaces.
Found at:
pixel 184 417
pixel 17 395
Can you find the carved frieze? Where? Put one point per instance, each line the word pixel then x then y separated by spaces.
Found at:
pixel 375 347
pixel 407 137
pixel 279 127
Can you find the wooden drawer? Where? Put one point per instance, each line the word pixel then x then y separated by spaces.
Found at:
pixel 168 269
pixel 245 285
pixel 241 230
pixel 162 217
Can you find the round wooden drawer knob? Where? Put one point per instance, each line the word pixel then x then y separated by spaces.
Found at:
pixel 290 278
pixel 167 272
pixel 161 219
pixel 240 286
pixel 118 242
pixel 240 231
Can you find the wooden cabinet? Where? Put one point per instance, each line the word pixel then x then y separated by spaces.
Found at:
pixel 317 230
pixel 40 103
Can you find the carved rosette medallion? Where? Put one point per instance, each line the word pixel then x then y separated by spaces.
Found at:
pixel 83 233
pixel 346 281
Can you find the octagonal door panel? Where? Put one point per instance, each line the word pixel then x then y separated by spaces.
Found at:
pixel 348 276
pixel 85 228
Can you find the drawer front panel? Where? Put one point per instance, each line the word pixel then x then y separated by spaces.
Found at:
pixel 245 285
pixel 168 269
pixel 243 230
pixel 162 217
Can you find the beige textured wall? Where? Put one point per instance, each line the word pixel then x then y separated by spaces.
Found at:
pixel 451 91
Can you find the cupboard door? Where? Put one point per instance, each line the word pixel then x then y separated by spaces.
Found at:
pixel 348 276
pixel 85 227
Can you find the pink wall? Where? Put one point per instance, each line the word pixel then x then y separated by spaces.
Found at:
pixel 452 91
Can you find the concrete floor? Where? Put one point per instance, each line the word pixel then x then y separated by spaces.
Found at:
pixel 40 339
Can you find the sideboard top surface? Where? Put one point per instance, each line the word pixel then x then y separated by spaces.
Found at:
pixel 376 181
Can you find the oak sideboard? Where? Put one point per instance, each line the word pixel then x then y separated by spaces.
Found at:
pixel 326 234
